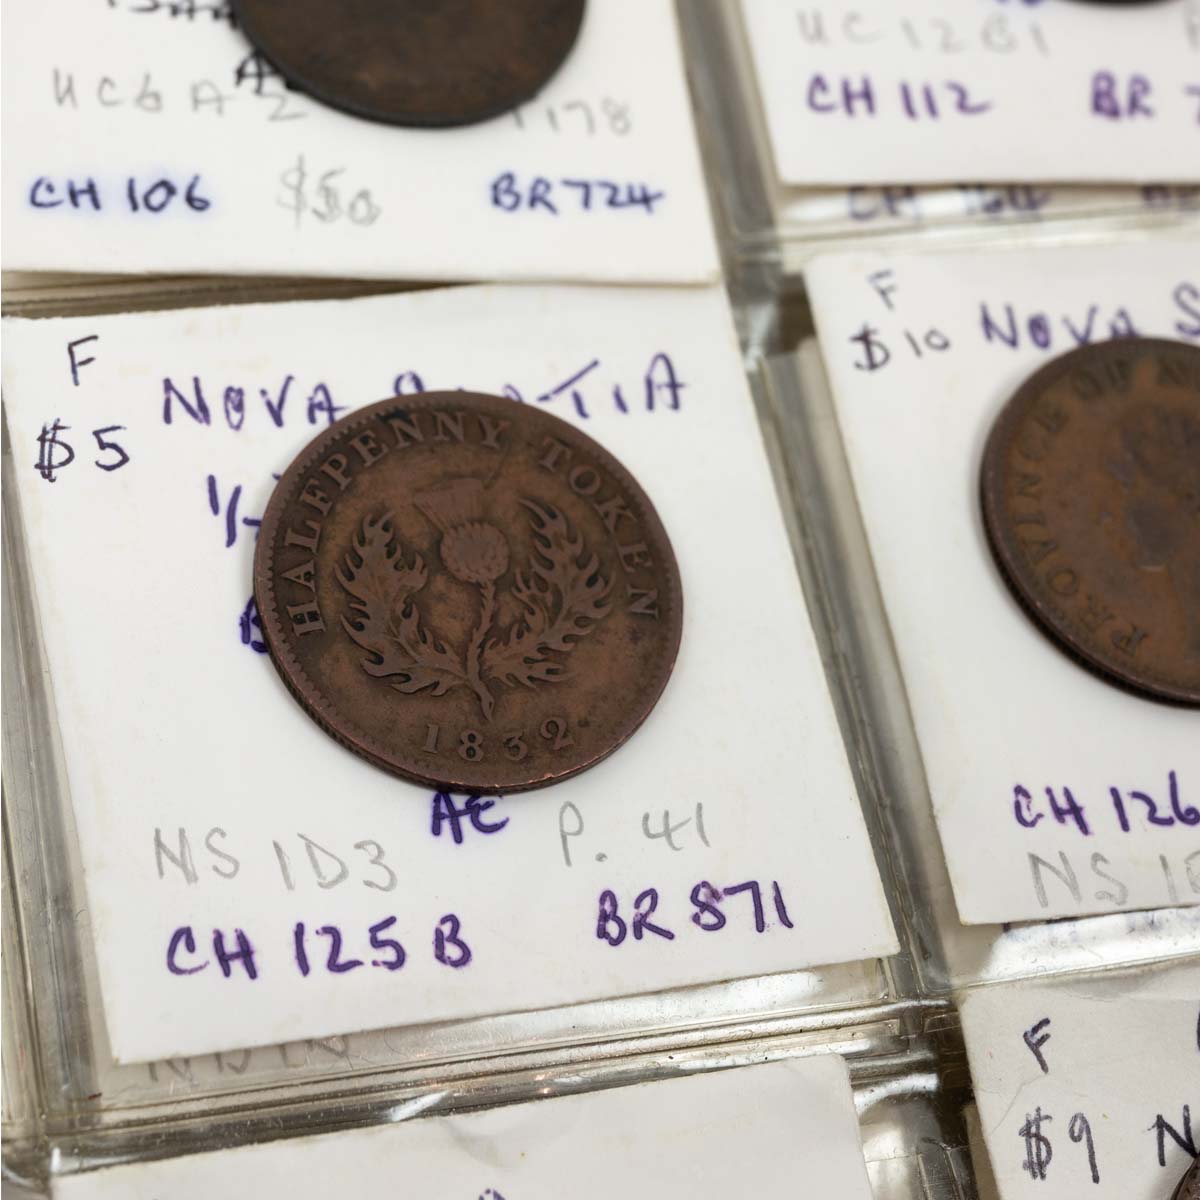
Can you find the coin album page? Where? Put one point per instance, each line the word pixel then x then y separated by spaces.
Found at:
pixel 937 91
pixel 151 137
pixel 228 843
pixel 761 1127
pixel 1072 1100
pixel 889 894
pixel 1043 775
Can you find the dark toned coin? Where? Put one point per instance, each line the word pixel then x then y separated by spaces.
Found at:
pixel 415 62
pixel 1091 501
pixel 468 591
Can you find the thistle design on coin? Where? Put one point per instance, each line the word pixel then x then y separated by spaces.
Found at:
pixel 562 595
pixel 467 591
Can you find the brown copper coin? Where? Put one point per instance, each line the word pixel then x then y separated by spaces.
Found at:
pixel 468 591
pixel 1091 502
pixel 413 62
pixel 1189 1185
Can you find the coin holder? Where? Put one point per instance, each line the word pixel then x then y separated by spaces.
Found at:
pixel 893 1020
pixel 152 139
pixel 1024 714
pixel 709 1134
pixel 868 556
pixel 991 977
pixel 67 1091
pixel 1070 1101
pixel 70 1109
pixel 908 182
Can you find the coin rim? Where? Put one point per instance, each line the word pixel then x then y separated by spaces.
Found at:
pixel 321 707
pixel 1046 615
pixel 253 33
pixel 1191 1176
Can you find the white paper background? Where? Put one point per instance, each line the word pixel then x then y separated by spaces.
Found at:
pixel 1120 1048
pixel 1031 64
pixel 618 110
pixel 995 702
pixel 755 1130
pixel 170 721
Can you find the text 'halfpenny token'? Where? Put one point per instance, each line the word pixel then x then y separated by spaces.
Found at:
pixel 415 62
pixel 1091 502
pixel 468 591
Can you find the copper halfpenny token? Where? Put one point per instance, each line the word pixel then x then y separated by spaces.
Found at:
pixel 468 591
pixel 1091 501
pixel 413 62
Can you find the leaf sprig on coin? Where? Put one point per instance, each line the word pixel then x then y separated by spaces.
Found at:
pixel 386 621
pixel 561 592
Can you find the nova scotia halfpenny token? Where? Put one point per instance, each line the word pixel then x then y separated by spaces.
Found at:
pixel 413 62
pixel 468 591
pixel 1091 501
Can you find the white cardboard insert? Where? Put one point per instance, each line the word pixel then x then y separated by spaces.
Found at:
pixel 942 91
pixel 203 793
pixel 143 136
pixel 923 352
pixel 1089 1086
